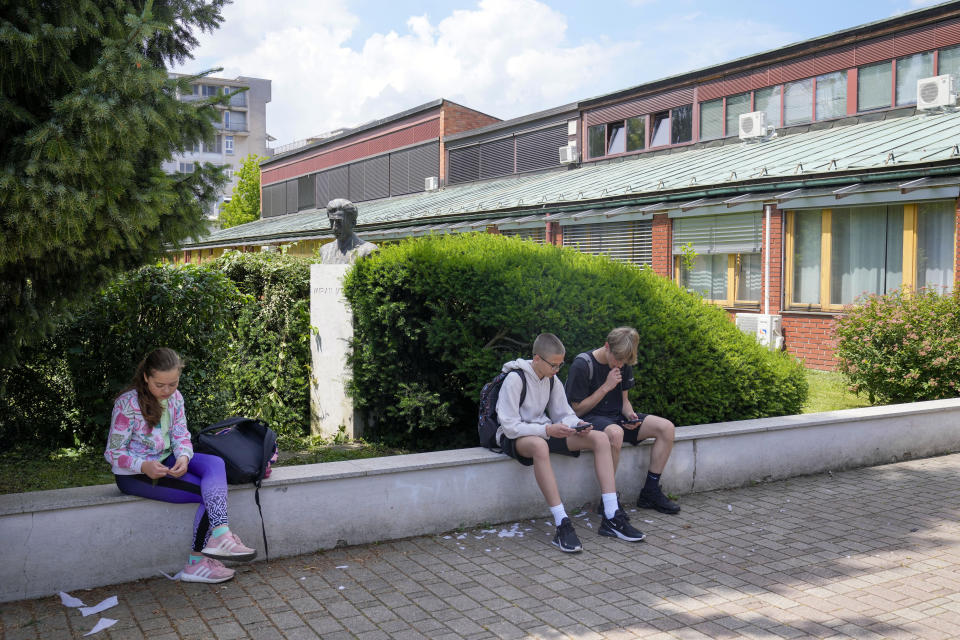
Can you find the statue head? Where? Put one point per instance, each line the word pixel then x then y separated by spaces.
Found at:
pixel 342 215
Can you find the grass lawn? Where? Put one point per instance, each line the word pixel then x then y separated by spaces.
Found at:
pixel 828 392
pixel 31 470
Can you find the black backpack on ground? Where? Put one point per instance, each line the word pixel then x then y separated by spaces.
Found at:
pixel 247 447
pixel 488 423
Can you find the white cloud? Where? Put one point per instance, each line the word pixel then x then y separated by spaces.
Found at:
pixel 503 57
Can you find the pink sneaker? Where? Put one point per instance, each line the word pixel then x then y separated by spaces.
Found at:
pixel 207 570
pixel 228 547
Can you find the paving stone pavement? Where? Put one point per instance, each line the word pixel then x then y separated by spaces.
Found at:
pixel 870 553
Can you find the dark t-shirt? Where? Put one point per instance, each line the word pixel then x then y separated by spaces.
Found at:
pixel 580 385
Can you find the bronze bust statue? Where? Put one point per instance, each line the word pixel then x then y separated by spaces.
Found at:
pixel 347 246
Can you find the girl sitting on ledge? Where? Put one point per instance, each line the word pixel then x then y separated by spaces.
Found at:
pixel 152 457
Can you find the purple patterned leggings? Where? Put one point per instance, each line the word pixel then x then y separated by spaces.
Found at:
pixel 204 482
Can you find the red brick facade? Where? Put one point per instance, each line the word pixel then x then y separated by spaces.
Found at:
pixel 775 295
pixel 457 118
pixel 662 234
pixel 810 338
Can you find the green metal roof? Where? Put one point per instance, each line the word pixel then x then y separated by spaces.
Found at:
pixel 894 149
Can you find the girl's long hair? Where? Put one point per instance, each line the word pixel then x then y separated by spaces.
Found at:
pixel 162 359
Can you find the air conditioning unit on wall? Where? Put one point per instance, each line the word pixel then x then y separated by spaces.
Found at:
pixel 764 327
pixel 431 184
pixel 753 125
pixel 568 154
pixel 936 92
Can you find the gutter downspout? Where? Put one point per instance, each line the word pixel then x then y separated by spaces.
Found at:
pixel 766 260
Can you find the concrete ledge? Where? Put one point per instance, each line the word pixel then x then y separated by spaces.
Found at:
pixel 115 538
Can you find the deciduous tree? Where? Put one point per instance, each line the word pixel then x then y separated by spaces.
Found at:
pixel 244 205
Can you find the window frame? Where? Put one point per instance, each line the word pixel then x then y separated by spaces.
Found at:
pixel 731 300
pixel 909 256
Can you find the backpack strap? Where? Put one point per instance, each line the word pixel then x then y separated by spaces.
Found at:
pixel 586 357
pixel 523 381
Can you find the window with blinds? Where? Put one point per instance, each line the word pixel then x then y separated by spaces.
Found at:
pixel 731 233
pixel 524 151
pixel 725 267
pixel 535 234
pixel 306 192
pixel 630 241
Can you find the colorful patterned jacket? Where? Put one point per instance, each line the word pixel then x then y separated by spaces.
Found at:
pixel 132 442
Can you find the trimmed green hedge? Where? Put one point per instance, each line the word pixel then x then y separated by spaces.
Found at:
pixel 435 318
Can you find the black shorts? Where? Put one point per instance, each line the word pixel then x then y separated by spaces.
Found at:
pixel 601 422
pixel 555 445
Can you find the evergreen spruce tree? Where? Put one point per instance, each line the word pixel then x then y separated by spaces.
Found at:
pixel 87 115
pixel 244 205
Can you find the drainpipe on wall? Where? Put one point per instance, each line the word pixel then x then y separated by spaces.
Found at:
pixel 766 260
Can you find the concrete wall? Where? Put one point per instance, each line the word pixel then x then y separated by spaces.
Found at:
pixel 116 538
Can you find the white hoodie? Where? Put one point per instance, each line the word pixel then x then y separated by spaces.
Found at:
pixel 531 418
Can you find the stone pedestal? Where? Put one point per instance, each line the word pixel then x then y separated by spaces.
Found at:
pixel 331 325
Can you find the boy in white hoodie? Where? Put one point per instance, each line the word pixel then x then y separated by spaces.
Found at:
pixel 546 424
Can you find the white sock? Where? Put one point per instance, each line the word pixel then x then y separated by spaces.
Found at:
pixel 609 504
pixel 559 513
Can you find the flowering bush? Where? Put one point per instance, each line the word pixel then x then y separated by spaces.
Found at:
pixel 903 346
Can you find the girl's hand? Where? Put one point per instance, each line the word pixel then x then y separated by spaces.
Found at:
pixel 153 469
pixel 180 467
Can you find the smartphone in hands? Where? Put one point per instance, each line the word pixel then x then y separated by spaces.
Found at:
pixel 582 427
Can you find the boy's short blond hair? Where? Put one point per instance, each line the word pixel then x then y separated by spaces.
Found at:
pixel 623 343
pixel 547 345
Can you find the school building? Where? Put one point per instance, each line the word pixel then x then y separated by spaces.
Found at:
pixel 781 186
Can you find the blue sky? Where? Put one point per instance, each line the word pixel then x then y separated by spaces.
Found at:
pixel 340 63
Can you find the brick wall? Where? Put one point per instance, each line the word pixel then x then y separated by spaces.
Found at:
pixel 774 296
pixel 662 246
pixel 956 261
pixel 810 337
pixel 457 118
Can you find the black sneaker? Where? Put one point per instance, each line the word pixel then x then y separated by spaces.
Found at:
pixel 601 511
pixel 566 538
pixel 654 499
pixel 619 527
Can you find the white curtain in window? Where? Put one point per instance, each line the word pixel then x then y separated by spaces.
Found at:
pixel 806 257
pixel 768 101
pixel 866 253
pixel 949 62
pixel 748 277
pixel 873 86
pixel 708 277
pixel 711 119
pixel 909 70
pixel 832 95
pixel 935 245
pixel 798 102
pixel 736 106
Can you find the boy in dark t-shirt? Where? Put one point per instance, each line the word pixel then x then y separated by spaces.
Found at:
pixel 597 388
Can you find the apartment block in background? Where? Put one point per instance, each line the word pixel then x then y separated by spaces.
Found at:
pixel 241 129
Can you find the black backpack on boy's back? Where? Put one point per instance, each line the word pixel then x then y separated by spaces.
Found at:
pixel 488 423
pixel 248 448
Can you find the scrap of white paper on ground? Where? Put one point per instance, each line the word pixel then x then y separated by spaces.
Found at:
pixel 102 623
pixel 103 606
pixel 69 601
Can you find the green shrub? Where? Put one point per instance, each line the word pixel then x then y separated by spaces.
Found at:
pixel 902 347
pixel 186 308
pixel 435 318
pixel 62 393
pixel 267 371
